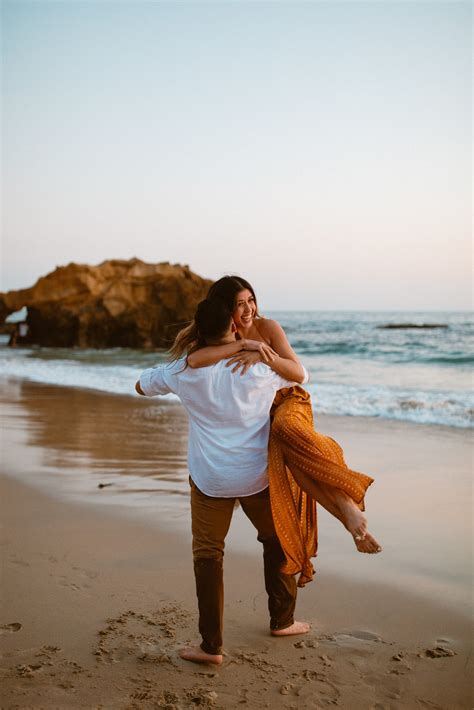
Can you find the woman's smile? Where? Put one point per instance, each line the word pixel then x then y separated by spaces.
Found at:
pixel 245 309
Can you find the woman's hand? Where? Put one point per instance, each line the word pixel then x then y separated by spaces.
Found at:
pixel 244 359
pixel 267 354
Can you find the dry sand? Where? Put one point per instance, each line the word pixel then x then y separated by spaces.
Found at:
pixel 96 604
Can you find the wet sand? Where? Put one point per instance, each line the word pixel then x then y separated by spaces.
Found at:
pixel 97 585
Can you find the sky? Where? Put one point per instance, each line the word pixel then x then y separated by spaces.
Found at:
pixel 321 149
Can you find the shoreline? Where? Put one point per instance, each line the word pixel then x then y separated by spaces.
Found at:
pixel 173 399
pixel 327 419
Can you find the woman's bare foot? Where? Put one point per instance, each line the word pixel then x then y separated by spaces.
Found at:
pixel 197 655
pixel 298 627
pixel 354 519
pixel 356 523
pixel 367 544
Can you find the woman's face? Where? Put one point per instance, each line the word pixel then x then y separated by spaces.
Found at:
pixel 244 309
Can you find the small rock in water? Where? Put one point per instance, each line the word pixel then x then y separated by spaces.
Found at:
pixel 285 689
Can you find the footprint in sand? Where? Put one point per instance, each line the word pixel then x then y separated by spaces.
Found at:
pixel 444 642
pixel 47 653
pixel 144 637
pixel 310 643
pixel 364 635
pixel 65 582
pixel 317 688
pixel 10 628
pixel 168 699
pixel 356 639
pixel 255 660
pixel 439 652
pixel 28 670
pixel 201 696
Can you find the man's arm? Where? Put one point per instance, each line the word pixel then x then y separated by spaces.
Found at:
pixel 156 380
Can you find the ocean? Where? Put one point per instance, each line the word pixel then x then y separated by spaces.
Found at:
pixel 357 366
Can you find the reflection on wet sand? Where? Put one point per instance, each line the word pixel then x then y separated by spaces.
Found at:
pixel 109 435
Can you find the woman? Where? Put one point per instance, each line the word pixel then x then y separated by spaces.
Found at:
pixel 302 462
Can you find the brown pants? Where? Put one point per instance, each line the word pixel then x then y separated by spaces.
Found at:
pixel 210 523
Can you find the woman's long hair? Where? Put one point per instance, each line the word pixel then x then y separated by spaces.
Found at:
pixel 211 322
pixel 227 289
pixel 186 342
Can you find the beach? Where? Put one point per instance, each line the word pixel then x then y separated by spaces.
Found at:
pixel 97 582
pixel 304 168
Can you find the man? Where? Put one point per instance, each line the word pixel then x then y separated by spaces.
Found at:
pixel 229 423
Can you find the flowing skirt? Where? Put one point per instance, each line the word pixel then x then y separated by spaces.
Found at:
pixel 299 457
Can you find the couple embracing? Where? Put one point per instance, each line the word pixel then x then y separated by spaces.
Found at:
pixel 251 438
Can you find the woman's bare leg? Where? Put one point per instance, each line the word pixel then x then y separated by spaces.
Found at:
pixel 342 507
pixel 351 517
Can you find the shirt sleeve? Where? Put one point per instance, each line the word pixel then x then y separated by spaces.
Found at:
pixel 154 381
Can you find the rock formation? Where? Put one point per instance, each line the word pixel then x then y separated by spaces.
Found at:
pixel 115 304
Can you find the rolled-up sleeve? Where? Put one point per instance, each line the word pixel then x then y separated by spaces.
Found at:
pixel 153 381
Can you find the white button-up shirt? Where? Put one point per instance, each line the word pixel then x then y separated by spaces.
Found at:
pixel 229 422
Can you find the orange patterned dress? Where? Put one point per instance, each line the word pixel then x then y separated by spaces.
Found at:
pixel 298 455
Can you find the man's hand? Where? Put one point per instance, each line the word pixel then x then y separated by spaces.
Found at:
pixel 244 359
pixel 139 389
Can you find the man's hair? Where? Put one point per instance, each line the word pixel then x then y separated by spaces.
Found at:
pixel 210 323
pixel 212 319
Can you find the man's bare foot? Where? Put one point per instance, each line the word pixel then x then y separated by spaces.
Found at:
pixel 197 655
pixel 367 544
pixel 298 627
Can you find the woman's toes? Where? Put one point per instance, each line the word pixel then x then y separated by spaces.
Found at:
pixel 369 544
